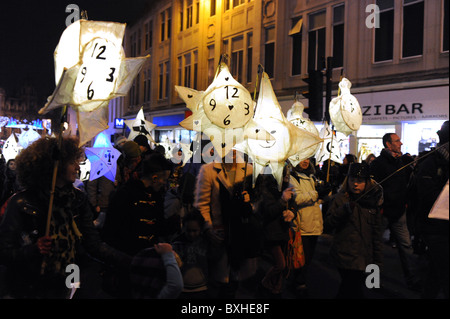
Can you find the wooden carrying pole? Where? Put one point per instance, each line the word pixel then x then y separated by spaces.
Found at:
pixel 54 175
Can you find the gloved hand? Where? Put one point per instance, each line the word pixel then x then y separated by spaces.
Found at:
pixel 44 245
pixel 324 189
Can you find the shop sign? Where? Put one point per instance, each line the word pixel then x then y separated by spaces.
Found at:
pixel 405 105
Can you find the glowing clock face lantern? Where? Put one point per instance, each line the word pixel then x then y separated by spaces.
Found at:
pixel 90 70
pixel 226 102
pixel 224 112
pixel 97 74
pixel 345 111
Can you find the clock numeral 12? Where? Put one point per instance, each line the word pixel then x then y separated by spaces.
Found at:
pixel 234 94
pixel 102 49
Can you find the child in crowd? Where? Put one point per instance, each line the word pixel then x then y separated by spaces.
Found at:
pixel 192 247
pixel 355 218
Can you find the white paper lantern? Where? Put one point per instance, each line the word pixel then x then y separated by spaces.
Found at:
pixel 345 112
pixel 295 116
pixel 288 139
pixel 329 148
pixel 11 148
pixel 140 126
pixel 223 112
pixel 90 70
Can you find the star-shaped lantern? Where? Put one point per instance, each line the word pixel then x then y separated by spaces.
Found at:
pixel 224 112
pixel 295 116
pixel 103 158
pixel 330 148
pixel 345 112
pixel 140 126
pixel 90 70
pixel 287 141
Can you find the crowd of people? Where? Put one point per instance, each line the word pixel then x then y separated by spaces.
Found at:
pixel 203 230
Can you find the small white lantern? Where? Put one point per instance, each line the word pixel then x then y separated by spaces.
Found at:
pixel 295 116
pixel 140 126
pixel 345 112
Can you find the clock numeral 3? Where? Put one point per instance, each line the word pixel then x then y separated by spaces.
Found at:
pixel 111 77
pixel 247 108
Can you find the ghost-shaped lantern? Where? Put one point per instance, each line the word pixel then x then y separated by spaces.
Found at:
pixel 224 112
pixel 288 139
pixel 345 112
pixel 295 116
pixel 140 126
pixel 329 148
pixel 11 148
pixel 90 70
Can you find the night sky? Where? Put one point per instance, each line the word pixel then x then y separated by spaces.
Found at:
pixel 30 31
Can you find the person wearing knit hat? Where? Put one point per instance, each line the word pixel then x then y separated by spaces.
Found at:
pixel 128 162
pixel 120 140
pixel 131 149
pixel 142 141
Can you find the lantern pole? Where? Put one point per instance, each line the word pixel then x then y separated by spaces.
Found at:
pixel 257 83
pixel 56 157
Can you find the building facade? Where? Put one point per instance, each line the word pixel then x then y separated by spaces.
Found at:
pixel 395 53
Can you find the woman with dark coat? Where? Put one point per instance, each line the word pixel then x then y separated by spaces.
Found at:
pixel 37 263
pixel 276 210
pixel 355 218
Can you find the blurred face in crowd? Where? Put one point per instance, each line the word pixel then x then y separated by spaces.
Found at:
pixel 356 185
pixel 12 165
pixel 192 229
pixel 395 145
pixel 304 164
pixel 159 180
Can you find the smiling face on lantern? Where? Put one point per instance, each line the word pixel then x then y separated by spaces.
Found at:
pixel 271 150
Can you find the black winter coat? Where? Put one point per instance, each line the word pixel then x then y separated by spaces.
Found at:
pixel 135 218
pixel 271 207
pixel 24 222
pixel 357 227
pixel 395 187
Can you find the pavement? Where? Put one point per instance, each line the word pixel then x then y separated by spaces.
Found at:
pixel 323 278
pixel 322 282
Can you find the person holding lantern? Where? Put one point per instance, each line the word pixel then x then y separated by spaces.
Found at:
pixel 37 249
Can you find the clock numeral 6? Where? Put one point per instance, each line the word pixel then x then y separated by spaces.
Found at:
pixel 226 121
pixel 90 92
